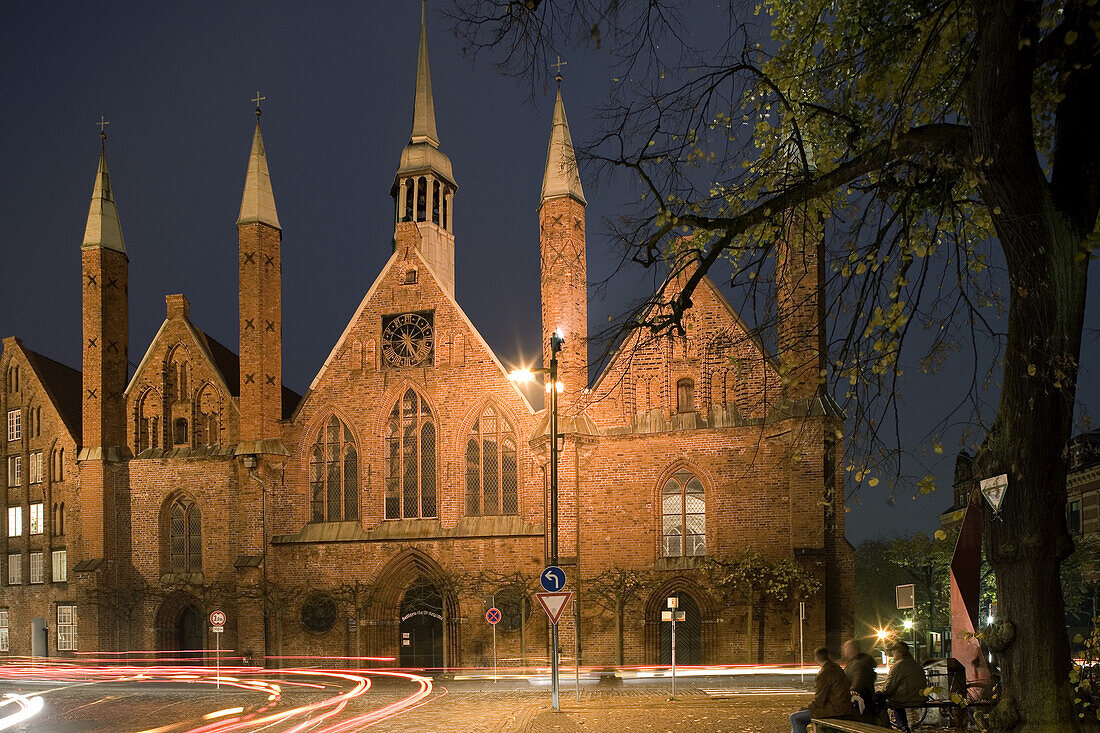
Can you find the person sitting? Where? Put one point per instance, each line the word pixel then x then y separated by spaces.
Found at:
pixel 831 696
pixel 905 685
pixel 861 674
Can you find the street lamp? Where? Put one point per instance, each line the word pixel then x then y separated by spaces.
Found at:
pixel 553 387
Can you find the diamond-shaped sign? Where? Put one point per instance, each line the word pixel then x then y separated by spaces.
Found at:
pixel 993 489
pixel 554 604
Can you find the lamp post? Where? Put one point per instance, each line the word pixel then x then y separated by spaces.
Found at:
pixel 557 340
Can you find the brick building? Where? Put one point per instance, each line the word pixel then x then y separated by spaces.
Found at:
pixel 380 512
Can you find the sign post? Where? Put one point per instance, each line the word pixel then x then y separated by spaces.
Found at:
pixel 493 617
pixel 553 577
pixel 801 649
pixel 217 624
pixel 673 615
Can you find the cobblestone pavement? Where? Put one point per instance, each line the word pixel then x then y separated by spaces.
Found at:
pixel 616 711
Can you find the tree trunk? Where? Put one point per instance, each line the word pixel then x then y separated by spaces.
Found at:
pixel 1027 541
pixel 748 634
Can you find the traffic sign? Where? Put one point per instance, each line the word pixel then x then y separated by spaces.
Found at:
pixel 906 596
pixel 553 579
pixel 493 616
pixel 217 629
pixel 217 618
pixel 554 604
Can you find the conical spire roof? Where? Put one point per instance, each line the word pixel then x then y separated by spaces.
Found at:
pixel 423 128
pixel 103 228
pixel 258 201
pixel 562 177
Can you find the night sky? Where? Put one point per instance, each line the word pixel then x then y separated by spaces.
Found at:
pixel 175 80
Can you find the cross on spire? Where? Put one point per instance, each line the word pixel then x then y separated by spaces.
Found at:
pixel 102 124
pixel 257 99
pixel 557 65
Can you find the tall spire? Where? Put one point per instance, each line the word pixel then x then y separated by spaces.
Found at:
pixel 258 201
pixel 423 128
pixel 562 177
pixel 103 228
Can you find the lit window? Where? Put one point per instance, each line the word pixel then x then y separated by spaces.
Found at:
pixel 66 628
pixel 37 567
pixel 34 468
pixel 184 537
pixel 38 518
pixel 15 569
pixel 410 459
pixel 15 471
pixel 491 466
pixel 60 566
pixel 684 516
pixel 334 474
pixel 15 521
pixel 15 428
pixel 4 631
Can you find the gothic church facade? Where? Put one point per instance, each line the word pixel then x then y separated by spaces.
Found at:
pixel 380 513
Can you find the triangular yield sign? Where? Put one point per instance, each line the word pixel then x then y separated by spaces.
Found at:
pixel 554 603
pixel 994 490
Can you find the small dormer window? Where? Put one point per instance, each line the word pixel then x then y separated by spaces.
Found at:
pixel 410 277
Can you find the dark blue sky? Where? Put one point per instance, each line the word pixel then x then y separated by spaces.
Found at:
pixel 175 80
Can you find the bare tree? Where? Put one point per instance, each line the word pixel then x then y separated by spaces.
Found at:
pixel 613 590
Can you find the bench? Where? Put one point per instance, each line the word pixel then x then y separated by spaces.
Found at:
pixel 840 725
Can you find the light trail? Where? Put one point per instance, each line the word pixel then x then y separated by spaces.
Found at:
pixel 331 714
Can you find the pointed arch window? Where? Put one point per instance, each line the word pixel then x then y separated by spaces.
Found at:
pixel 684 516
pixel 410 459
pixel 334 474
pixel 184 537
pixel 491 480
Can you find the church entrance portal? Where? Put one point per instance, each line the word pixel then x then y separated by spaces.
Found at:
pixel 422 626
pixel 689 634
pixel 189 633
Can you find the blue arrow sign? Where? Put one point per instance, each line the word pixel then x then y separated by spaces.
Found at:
pixel 553 579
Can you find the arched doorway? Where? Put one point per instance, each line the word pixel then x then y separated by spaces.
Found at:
pixel 189 633
pixel 421 627
pixel 689 633
pixel 179 626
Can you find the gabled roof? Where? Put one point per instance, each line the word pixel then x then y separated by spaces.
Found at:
pixel 226 363
pixel 64 386
pixel 398 254
pixel 616 353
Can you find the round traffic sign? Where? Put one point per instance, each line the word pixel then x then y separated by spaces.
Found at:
pixel 552 579
pixel 217 618
pixel 493 616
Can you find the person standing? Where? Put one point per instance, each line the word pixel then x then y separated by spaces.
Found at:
pixel 831 696
pixel 861 674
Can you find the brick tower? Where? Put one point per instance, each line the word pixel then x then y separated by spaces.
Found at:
pixel 563 250
pixel 424 187
pixel 800 312
pixel 259 237
pixel 104 267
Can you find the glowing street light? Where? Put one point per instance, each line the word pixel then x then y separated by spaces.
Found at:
pixel 553 388
pixel 908 624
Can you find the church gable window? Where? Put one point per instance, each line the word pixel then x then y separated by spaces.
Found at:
pixel 148 427
pixel 410 459
pixel 333 474
pixel 491 476
pixel 184 537
pixel 180 431
pixel 207 423
pixel 683 509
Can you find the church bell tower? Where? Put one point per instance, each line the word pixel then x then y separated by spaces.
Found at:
pixel 424 187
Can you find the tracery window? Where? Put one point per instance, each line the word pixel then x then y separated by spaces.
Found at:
pixel 334 474
pixel 184 537
pixel 684 509
pixel 491 466
pixel 410 459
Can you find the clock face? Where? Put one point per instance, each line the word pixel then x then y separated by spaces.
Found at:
pixel 407 339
